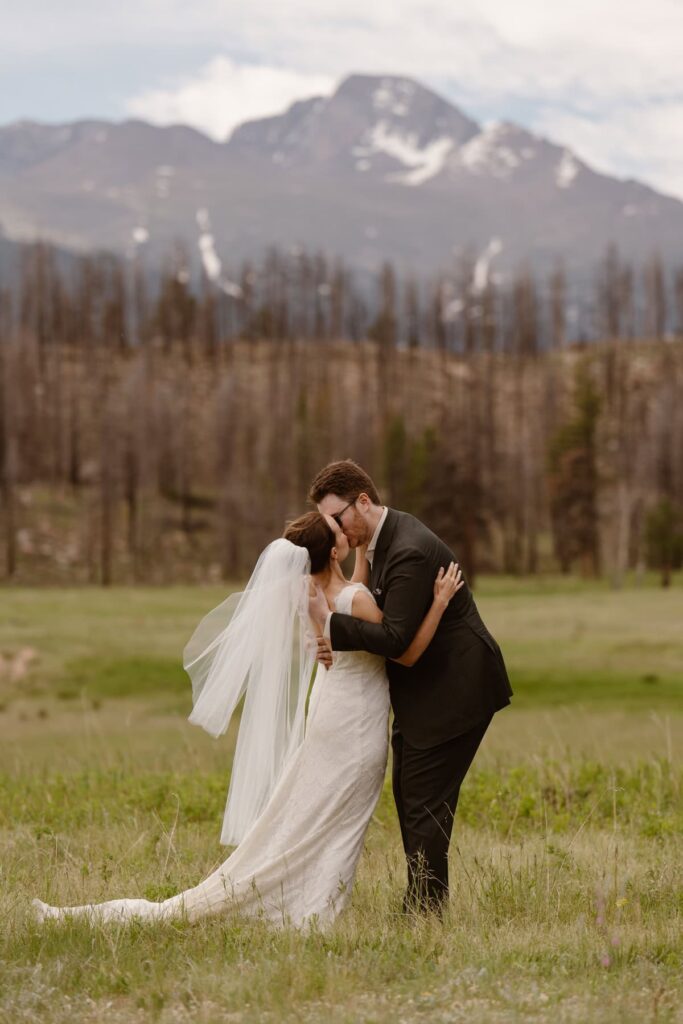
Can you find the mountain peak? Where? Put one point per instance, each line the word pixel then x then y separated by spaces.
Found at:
pixel 330 172
pixel 396 98
pixel 383 90
pixel 375 125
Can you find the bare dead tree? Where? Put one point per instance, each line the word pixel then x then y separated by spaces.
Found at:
pixel 655 293
pixel 160 479
pixel 678 298
pixel 9 449
pixel 609 296
pixel 558 306
pixel 412 313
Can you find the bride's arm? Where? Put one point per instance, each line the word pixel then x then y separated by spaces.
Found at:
pixel 361 572
pixel 446 585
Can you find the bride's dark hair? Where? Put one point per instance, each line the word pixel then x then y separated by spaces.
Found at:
pixel 312 532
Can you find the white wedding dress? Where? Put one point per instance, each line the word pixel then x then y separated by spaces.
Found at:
pixel 297 863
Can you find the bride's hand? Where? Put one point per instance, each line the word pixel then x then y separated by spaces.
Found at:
pixel 448 583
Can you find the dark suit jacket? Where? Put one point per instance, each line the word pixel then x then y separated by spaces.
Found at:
pixel 461 678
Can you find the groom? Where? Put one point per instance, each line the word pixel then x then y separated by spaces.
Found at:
pixel 443 704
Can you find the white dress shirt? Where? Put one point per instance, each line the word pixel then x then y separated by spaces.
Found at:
pixel 369 554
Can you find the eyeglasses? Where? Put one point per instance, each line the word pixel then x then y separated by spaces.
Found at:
pixel 337 515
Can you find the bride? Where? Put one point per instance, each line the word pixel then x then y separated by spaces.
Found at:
pixel 298 805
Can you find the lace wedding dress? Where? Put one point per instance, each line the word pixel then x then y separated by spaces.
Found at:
pixel 297 863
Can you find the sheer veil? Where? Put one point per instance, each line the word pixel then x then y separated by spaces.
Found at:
pixel 253 645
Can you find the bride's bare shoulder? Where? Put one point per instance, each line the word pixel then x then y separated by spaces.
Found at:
pixel 363 605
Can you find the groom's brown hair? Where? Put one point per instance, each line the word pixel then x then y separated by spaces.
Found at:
pixel 346 479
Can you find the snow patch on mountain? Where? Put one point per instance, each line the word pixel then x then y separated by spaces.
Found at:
pixel 213 268
pixel 210 261
pixel 425 162
pixel 482 267
pixel 231 288
pixel 489 153
pixel 432 162
pixel 452 310
pixel 162 182
pixel 566 170
pixel 393 97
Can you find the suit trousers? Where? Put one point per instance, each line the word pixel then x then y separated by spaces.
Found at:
pixel 426 787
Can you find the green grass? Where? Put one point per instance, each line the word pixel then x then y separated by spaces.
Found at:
pixel 564 641
pixel 565 865
pixel 122 677
pixel 510 802
pixel 566 902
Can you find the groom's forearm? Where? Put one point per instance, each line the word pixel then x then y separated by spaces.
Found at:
pixel 350 634
pixel 408 596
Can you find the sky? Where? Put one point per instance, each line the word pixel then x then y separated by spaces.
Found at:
pixel 604 77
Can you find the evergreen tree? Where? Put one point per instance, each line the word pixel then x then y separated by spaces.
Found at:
pixel 664 534
pixel 574 480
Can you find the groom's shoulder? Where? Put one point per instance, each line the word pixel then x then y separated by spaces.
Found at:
pixel 412 531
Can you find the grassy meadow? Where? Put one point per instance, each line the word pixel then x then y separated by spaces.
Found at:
pixel 565 864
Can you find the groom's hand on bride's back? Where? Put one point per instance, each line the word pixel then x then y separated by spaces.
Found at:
pixel 320 648
pixel 324 655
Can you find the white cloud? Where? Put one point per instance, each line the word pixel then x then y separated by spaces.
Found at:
pixel 224 94
pixel 644 142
